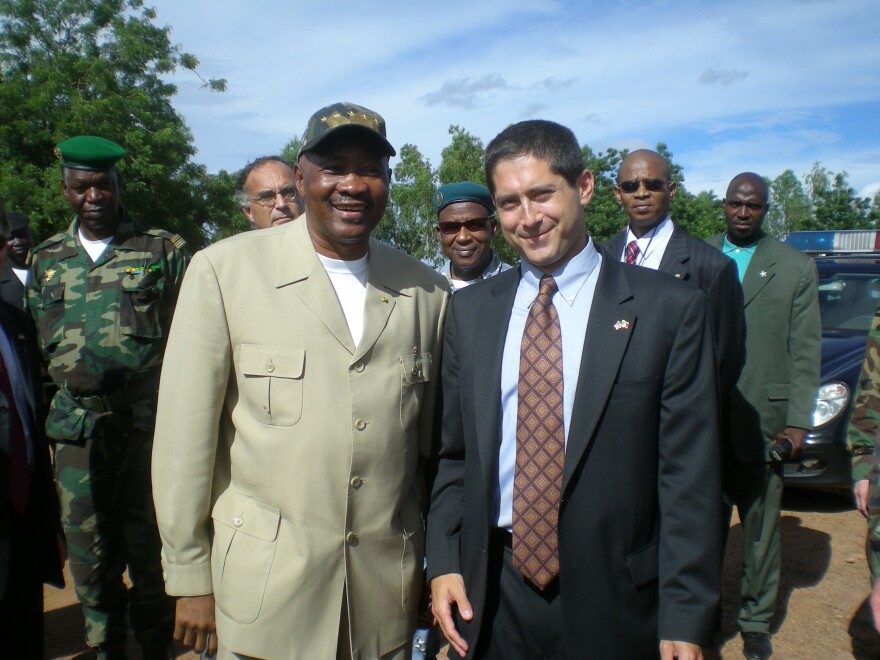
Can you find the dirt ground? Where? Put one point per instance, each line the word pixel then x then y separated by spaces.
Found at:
pixel 822 611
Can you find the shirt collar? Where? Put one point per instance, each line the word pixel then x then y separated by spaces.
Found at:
pixel 728 247
pixel 570 277
pixel 661 231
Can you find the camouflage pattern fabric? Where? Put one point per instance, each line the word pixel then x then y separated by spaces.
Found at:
pixel 102 328
pixel 862 439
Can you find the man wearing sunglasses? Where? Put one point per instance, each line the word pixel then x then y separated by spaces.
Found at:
pixel 465 227
pixel 266 191
pixel 651 239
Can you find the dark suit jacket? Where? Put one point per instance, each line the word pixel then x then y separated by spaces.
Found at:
pixel 642 449
pixel 42 519
pixel 777 387
pixel 11 288
pixel 688 259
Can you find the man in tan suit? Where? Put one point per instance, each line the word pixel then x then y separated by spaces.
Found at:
pixel 295 412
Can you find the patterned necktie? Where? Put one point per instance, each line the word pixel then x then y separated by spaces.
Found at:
pixel 19 474
pixel 540 442
pixel 632 251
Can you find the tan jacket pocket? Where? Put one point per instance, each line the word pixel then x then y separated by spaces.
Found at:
pixel 245 538
pixel 272 382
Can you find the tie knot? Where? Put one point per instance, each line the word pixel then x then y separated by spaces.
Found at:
pixel 632 250
pixel 547 286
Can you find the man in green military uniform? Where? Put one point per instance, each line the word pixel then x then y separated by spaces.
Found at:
pixel 102 294
pixel 862 439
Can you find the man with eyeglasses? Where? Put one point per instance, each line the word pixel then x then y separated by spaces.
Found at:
pixel 266 191
pixel 465 228
pixel 774 397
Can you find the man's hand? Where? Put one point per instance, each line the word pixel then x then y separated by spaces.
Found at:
pixel 796 436
pixel 446 591
pixel 860 495
pixel 680 651
pixel 194 625
pixel 875 604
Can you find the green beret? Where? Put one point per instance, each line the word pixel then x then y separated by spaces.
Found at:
pixel 87 152
pixel 339 116
pixel 463 191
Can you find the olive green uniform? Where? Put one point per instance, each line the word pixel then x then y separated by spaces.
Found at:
pixel 862 438
pixel 102 327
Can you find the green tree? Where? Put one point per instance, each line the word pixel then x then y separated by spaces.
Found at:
pixel 603 215
pixel 72 67
pixel 835 204
pixel 291 150
pixel 789 206
pixel 462 160
pixel 409 218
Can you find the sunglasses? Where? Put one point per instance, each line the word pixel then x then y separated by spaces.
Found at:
pixel 474 225
pixel 652 185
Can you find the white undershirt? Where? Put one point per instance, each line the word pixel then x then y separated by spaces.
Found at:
pixel 94 248
pixel 21 274
pixel 349 280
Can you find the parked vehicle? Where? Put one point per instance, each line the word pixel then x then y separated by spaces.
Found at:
pixel 849 294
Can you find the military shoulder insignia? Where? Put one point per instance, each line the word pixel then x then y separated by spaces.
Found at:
pixel 50 272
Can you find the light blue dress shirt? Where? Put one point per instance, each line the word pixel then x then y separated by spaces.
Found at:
pixel 576 282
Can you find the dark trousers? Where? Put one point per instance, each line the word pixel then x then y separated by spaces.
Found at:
pixel 21 608
pixel 520 621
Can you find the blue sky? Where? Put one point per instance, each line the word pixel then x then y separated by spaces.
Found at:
pixel 729 86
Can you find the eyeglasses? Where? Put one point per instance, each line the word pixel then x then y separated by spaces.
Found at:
pixel 473 225
pixel 632 185
pixel 267 197
pixel 752 206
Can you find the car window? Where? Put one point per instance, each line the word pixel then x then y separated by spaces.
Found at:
pixel 848 301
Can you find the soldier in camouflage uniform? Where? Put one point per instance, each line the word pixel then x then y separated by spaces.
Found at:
pixel 102 295
pixel 862 438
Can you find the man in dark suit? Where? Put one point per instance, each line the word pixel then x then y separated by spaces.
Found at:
pixel 565 444
pixel 775 395
pixel 14 273
pixel 651 239
pixel 30 523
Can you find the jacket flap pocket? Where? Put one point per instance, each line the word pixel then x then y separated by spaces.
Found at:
pixel 777 391
pixel 247 515
pixel 274 361
pixel 53 293
pixel 416 368
pixel 644 564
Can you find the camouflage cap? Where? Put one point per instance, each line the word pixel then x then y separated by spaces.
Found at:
pixel 87 152
pixel 339 116
pixel 463 191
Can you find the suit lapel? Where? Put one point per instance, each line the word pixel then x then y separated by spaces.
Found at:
pixel 299 268
pixel 608 333
pixel 16 337
pixel 491 326
pixel 380 301
pixel 676 256
pixel 762 269
pixel 613 248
